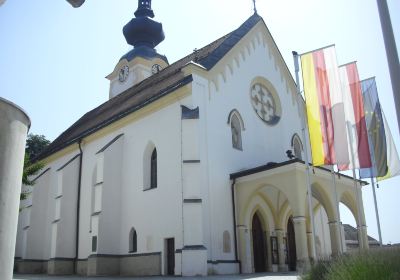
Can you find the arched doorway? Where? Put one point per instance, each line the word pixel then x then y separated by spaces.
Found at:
pixel 259 245
pixel 291 242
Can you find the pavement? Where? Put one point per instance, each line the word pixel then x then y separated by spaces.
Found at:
pixel 257 276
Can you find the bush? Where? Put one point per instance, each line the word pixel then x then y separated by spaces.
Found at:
pixel 375 264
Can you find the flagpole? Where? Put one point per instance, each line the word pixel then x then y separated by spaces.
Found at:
pixel 337 209
pixel 376 210
pixel 391 53
pixel 303 129
pixel 359 226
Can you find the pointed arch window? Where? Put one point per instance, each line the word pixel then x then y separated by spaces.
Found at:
pixel 297 146
pixel 132 241
pixel 236 124
pixel 153 169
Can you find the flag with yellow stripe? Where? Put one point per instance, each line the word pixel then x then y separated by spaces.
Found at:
pixel 325 109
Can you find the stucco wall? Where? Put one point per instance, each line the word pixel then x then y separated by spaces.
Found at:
pixel 229 88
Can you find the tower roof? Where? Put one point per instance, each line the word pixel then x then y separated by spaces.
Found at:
pixel 143 32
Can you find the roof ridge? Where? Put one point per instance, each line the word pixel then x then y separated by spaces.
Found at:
pixel 147 89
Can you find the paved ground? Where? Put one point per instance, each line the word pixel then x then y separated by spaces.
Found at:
pixel 269 276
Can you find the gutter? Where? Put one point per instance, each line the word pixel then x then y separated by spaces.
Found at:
pixel 78 207
pixel 234 224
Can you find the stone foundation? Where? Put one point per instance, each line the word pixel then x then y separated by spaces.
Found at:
pixel 60 266
pixel 81 267
pixel 32 266
pixel 103 265
pixel 141 265
pixel 96 265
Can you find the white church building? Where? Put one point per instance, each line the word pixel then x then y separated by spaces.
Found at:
pixel 190 168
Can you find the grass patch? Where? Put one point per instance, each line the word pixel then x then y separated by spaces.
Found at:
pixel 375 264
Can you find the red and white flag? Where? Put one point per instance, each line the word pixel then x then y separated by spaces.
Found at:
pixel 355 118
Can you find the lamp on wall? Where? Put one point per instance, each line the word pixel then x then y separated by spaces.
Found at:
pixel 289 154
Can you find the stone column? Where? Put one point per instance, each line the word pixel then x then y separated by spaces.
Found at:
pixel 310 244
pixel 14 124
pixel 245 249
pixel 303 261
pixel 362 228
pixel 281 247
pixel 269 250
pixel 334 230
pixel 364 237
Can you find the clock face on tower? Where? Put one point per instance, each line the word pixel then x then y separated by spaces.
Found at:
pixel 123 73
pixel 156 68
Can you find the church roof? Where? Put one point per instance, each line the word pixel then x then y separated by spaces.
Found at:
pixel 351 234
pixel 149 90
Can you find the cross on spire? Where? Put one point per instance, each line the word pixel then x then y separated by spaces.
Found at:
pixel 254 6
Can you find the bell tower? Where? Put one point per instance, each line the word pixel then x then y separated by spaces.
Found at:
pixel 144 34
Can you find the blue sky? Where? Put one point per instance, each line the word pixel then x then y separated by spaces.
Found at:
pixel 54 58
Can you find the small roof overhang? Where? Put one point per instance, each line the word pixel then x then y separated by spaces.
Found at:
pixel 295 162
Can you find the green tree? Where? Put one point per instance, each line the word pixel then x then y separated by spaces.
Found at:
pixel 35 144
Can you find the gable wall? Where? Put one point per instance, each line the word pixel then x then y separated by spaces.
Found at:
pixel 229 88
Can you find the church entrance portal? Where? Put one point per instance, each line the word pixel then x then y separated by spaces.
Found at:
pixel 292 257
pixel 259 245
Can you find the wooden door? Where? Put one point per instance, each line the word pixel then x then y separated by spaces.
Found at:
pixel 291 240
pixel 170 256
pixel 259 250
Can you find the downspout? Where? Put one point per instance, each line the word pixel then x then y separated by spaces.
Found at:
pixel 78 207
pixel 234 224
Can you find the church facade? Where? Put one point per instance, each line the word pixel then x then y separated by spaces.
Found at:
pixel 193 168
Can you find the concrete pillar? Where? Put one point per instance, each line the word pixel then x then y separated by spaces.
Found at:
pixel 303 262
pixel 334 230
pixel 281 247
pixel 364 237
pixel 269 250
pixel 362 228
pixel 14 124
pixel 310 244
pixel 344 246
pixel 245 250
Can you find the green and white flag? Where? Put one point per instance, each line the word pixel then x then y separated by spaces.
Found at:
pixel 393 161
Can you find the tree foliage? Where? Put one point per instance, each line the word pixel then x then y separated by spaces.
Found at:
pixel 35 144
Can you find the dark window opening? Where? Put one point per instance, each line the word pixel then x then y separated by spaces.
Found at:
pixel 132 241
pixel 94 243
pixel 153 170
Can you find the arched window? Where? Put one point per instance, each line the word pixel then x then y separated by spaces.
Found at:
pixel 132 241
pixel 226 242
pixel 237 126
pixel 153 169
pixel 297 146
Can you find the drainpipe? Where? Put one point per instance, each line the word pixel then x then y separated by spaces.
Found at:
pixel 234 224
pixel 78 207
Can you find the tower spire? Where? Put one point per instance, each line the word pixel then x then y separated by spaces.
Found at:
pixel 144 9
pixel 254 6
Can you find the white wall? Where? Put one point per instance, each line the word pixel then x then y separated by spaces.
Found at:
pixel 156 214
pixel 261 143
